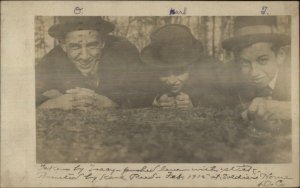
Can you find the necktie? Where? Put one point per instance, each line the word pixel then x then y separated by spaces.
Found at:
pixel 265 92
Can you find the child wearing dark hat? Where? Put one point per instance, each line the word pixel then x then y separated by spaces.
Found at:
pixel 171 60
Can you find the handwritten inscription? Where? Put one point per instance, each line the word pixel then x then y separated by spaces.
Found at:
pixel 93 173
pixel 177 12
pixel 264 10
pixel 78 10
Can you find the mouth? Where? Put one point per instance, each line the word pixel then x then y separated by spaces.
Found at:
pixel 175 88
pixel 257 80
pixel 86 65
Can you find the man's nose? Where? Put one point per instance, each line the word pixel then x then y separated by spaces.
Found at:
pixel 84 54
pixel 173 80
pixel 254 69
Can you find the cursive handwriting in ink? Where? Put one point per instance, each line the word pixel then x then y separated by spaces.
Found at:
pixel 178 12
pixel 264 10
pixel 78 10
pixel 143 177
pixel 78 168
pixel 109 177
pixel 269 176
pixel 265 183
pixel 94 173
pixel 177 176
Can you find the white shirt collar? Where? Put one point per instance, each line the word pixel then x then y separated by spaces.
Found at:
pixel 273 81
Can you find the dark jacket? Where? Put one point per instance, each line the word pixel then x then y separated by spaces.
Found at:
pixel 119 58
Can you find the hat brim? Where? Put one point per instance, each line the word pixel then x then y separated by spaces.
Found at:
pixel 59 31
pixel 242 41
pixel 150 57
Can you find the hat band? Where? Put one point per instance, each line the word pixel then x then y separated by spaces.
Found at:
pixel 256 29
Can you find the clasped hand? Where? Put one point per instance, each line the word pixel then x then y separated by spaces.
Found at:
pixel 267 109
pixel 181 100
pixel 78 98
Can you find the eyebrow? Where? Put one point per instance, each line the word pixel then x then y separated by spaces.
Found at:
pixel 262 56
pixel 243 60
pixel 92 44
pixel 74 44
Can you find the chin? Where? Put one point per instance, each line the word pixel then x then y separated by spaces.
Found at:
pixel 175 91
pixel 85 72
pixel 261 85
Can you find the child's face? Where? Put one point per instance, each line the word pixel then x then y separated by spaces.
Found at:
pixel 174 80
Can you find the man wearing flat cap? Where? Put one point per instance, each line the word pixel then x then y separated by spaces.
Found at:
pixel 87 68
pixel 260 64
pixel 175 68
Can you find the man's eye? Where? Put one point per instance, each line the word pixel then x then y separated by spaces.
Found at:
pixel 245 64
pixel 74 47
pixel 263 61
pixel 93 45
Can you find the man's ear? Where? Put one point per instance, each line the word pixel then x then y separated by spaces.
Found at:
pixel 63 45
pixel 281 55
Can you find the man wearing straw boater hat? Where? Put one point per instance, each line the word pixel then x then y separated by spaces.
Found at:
pixel 261 65
pixel 171 60
pixel 87 68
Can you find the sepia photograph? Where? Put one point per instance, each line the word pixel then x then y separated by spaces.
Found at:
pixel 163 89
pixel 149 94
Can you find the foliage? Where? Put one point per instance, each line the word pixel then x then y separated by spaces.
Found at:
pixel 210 30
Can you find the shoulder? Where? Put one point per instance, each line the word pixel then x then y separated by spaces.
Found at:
pixel 205 69
pixel 119 49
pixel 119 44
pixel 52 59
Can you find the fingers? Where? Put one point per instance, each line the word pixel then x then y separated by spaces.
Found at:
pixel 184 104
pixel 166 102
pixel 52 93
pixel 182 97
pixel 244 115
pixel 61 102
pixel 78 90
pixel 104 102
pixel 258 106
pixel 253 106
pixel 85 90
pixel 183 101
pixel 261 109
pixel 271 116
pixel 165 97
pixel 84 102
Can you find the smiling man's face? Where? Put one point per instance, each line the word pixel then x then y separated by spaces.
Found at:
pixel 84 50
pixel 174 80
pixel 259 63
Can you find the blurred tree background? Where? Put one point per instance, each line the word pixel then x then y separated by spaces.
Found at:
pixel 211 31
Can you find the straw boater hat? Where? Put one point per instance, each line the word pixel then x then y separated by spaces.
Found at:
pixel 172 46
pixel 251 29
pixel 74 23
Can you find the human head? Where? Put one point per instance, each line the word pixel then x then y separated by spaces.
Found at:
pixel 259 62
pixel 257 48
pixel 82 38
pixel 173 80
pixel 173 49
pixel 84 49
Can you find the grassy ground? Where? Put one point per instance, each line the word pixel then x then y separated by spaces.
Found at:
pixel 152 135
